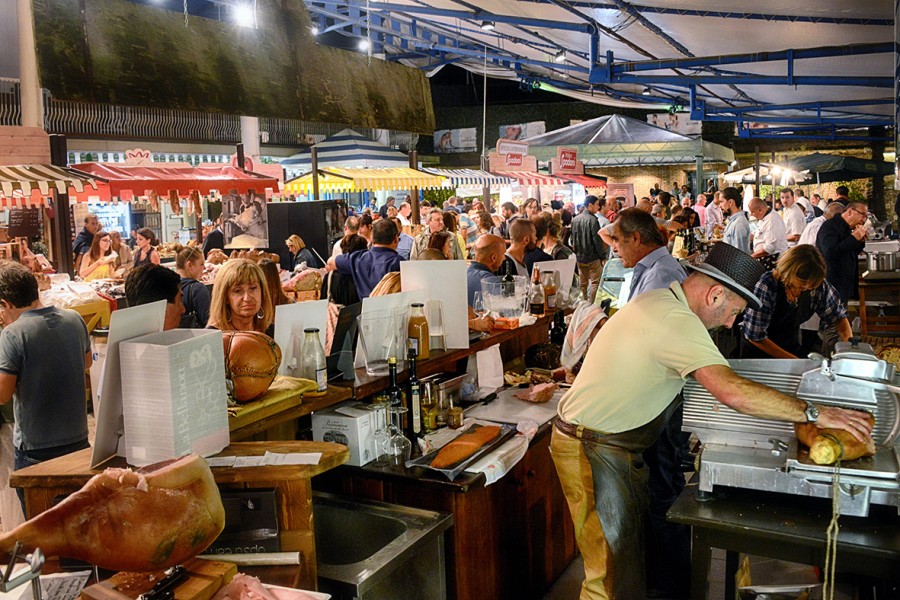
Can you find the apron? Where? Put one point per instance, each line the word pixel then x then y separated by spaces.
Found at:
pixel 784 328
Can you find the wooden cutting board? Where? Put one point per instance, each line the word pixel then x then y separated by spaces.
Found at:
pixel 204 579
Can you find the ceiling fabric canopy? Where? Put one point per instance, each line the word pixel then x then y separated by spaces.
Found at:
pixel 28 186
pixel 129 181
pixel 829 61
pixel 347 180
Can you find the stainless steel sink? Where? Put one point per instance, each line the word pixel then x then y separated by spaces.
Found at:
pixel 368 549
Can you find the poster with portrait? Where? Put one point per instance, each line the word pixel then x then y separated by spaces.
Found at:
pixel 245 221
pixel 521 131
pixel 676 122
pixel 447 141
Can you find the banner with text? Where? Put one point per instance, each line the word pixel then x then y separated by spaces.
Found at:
pixel 677 122
pixel 522 131
pixel 448 141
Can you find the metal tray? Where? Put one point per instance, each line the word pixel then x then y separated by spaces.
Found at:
pixel 506 432
pixel 885 465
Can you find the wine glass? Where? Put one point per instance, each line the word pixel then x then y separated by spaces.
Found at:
pixel 400 448
pixel 382 435
pixel 478 305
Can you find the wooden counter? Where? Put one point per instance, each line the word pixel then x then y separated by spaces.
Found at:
pixel 43 482
pixel 278 408
pixel 513 343
pixel 511 539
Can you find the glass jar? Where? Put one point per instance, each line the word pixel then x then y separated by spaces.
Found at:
pixel 417 331
pixel 312 359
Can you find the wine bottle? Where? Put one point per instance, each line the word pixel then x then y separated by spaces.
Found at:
pixel 537 299
pixel 559 329
pixel 508 283
pixel 415 402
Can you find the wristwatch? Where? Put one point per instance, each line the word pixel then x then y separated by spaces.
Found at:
pixel 811 412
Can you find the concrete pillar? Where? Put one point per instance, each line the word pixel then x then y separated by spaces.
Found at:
pixel 30 86
pixel 250 135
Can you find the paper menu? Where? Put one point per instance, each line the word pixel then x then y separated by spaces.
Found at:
pixel 57 586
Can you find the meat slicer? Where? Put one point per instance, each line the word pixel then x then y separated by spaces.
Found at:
pixel 742 451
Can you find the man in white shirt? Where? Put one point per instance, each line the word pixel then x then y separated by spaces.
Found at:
pixel 714 214
pixel 793 216
pixel 351 225
pixel 404 213
pixel 771 236
pixel 812 229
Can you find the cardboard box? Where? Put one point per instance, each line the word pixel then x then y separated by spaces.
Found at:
pixel 352 424
pixel 173 395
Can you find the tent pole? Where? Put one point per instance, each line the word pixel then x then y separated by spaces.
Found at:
pixel 60 236
pixel 414 192
pixel 757 172
pixel 314 158
pixel 486 189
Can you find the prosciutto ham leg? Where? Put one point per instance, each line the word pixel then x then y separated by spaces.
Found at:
pixel 125 520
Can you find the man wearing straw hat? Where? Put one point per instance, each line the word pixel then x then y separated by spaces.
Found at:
pixel 622 399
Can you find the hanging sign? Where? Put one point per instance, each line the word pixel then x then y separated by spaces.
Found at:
pixel 567 161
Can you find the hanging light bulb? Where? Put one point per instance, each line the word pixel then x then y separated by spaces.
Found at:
pixel 488 25
pixel 559 56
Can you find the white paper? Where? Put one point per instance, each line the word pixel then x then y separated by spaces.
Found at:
pixel 250 461
pixel 490 367
pixel 290 321
pixel 220 461
pixel 444 281
pixel 63 586
pixel 294 458
pixel 124 325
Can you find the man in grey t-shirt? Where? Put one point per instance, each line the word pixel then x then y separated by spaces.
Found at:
pixel 44 352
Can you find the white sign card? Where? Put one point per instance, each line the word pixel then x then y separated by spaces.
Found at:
pixel 565 267
pixel 383 304
pixel 444 281
pixel 124 325
pixel 290 321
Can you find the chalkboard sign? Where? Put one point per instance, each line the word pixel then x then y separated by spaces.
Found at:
pixel 24 222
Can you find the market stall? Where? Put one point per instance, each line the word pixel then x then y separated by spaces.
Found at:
pixel 339 179
pixel 471 182
pixel 346 148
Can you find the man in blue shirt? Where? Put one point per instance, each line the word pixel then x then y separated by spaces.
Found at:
pixel 405 242
pixel 641 246
pixel 489 255
pixel 737 231
pixel 367 267
pixel 82 243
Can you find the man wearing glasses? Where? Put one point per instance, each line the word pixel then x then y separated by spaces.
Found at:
pixel 840 241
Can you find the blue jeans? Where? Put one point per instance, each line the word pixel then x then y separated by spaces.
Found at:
pixel 26 458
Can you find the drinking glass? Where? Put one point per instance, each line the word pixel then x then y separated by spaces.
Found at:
pixel 478 305
pixel 400 448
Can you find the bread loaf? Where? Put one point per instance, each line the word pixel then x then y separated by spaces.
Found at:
pixel 465 446
pixel 251 363
pixel 827 446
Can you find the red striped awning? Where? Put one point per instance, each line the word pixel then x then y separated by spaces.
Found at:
pixel 128 181
pixel 29 186
pixel 585 180
pixel 531 178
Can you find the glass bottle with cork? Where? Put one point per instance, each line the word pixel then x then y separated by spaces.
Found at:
pixel 417 331
pixel 312 360
pixel 537 299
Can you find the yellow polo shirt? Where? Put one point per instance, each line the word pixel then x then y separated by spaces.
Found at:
pixel 638 363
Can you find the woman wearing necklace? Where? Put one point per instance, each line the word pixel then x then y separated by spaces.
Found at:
pixel 241 300
pixel 791 294
pixel 145 253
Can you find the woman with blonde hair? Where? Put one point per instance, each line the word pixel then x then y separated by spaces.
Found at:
pixel 189 264
pixel 795 291
pixel 99 261
pixel 301 254
pixel 241 299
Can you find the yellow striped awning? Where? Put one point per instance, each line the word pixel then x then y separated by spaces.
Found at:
pixel 335 179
